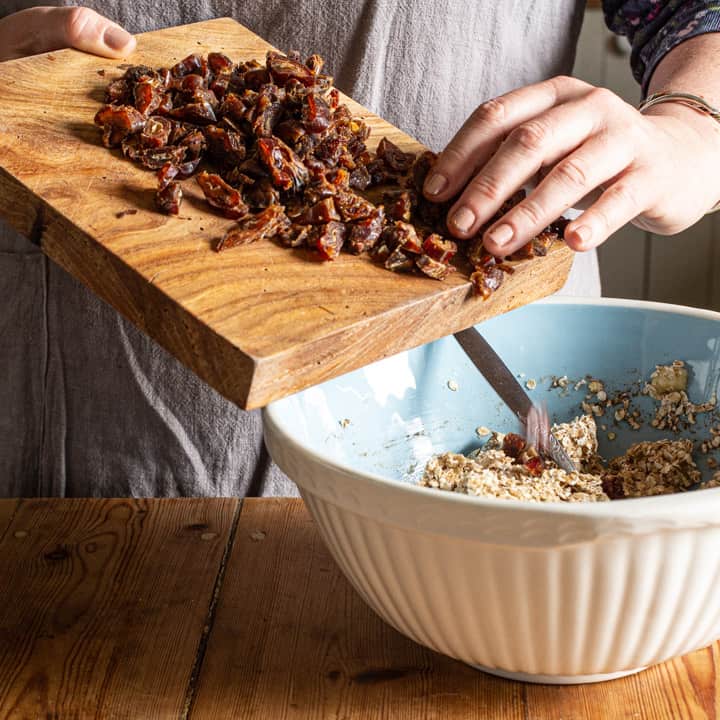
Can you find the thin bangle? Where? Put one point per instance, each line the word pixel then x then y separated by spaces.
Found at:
pixel 692 101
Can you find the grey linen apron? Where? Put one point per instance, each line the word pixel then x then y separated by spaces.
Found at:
pixel 89 406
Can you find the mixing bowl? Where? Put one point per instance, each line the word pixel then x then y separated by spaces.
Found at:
pixel 549 592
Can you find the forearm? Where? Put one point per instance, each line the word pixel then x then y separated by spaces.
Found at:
pixel 693 67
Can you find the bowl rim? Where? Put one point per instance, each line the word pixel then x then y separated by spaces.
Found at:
pixel 630 508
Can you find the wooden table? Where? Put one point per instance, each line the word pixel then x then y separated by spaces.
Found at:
pixel 227 609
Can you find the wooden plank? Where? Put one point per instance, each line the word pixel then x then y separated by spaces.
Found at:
pixel 683 688
pixel 103 604
pixel 292 639
pixel 257 322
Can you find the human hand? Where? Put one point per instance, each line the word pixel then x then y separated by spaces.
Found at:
pixel 43 29
pixel 657 169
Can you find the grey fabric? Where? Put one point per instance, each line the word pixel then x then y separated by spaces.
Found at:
pixel 92 407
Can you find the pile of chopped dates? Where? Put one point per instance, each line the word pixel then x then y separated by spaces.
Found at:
pixel 272 148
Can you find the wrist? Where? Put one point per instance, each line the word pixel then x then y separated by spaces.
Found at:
pixel 695 133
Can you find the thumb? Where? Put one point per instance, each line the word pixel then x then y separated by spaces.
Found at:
pixel 46 28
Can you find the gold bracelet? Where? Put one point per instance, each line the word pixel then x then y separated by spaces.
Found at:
pixel 692 101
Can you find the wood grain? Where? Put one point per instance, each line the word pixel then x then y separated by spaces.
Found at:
pixel 300 643
pixel 106 612
pixel 103 604
pixel 257 322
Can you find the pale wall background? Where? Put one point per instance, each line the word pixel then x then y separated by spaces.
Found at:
pixel 683 269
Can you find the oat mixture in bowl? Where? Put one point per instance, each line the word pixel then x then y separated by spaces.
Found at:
pixel 506 467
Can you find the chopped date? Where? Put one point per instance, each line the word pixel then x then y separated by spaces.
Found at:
pixel 166 174
pixel 352 206
pixel 261 194
pixel 286 168
pixel 524 252
pixel 365 233
pixel 256 78
pixel 222 196
pixel 394 157
pixel 135 72
pixel 283 68
pixel 544 241
pixel 513 445
pixel 433 268
pixel 219 63
pixel 225 147
pixel 315 113
pixel 405 235
pixel 328 239
pixel 477 255
pixel 281 155
pixel 123 120
pixel 155 158
pixel 117 92
pixel 191 64
pixel 290 131
pixel 201 113
pixel 420 169
pixel 194 143
pixel 360 178
pixel 320 213
pixel 315 64
pixel 156 132
pixel 400 204
pixel 266 224
pixel 169 197
pixel 438 248
pixel 487 280
pixel 148 97
pixel 399 261
pixel 535 465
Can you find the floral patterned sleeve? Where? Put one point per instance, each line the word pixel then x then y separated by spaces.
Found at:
pixel 654 27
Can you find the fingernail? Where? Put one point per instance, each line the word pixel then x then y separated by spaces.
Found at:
pixel 435 184
pixel 463 219
pixel 584 235
pixel 116 38
pixel 501 235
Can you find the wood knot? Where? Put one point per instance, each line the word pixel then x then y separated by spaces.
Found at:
pixel 198 527
pixel 378 675
pixel 58 554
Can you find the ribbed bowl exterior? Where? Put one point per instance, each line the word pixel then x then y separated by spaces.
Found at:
pixel 606 606
pixel 549 592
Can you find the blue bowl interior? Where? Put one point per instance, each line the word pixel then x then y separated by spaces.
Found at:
pixel 402 410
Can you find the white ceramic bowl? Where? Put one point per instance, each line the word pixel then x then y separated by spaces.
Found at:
pixel 542 592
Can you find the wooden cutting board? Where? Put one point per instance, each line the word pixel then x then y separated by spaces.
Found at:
pixel 256 322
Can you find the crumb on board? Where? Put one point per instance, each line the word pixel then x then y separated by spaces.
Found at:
pixel 482 431
pixel 531 384
pixel 452 385
pixel 344 422
pixel 123 213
